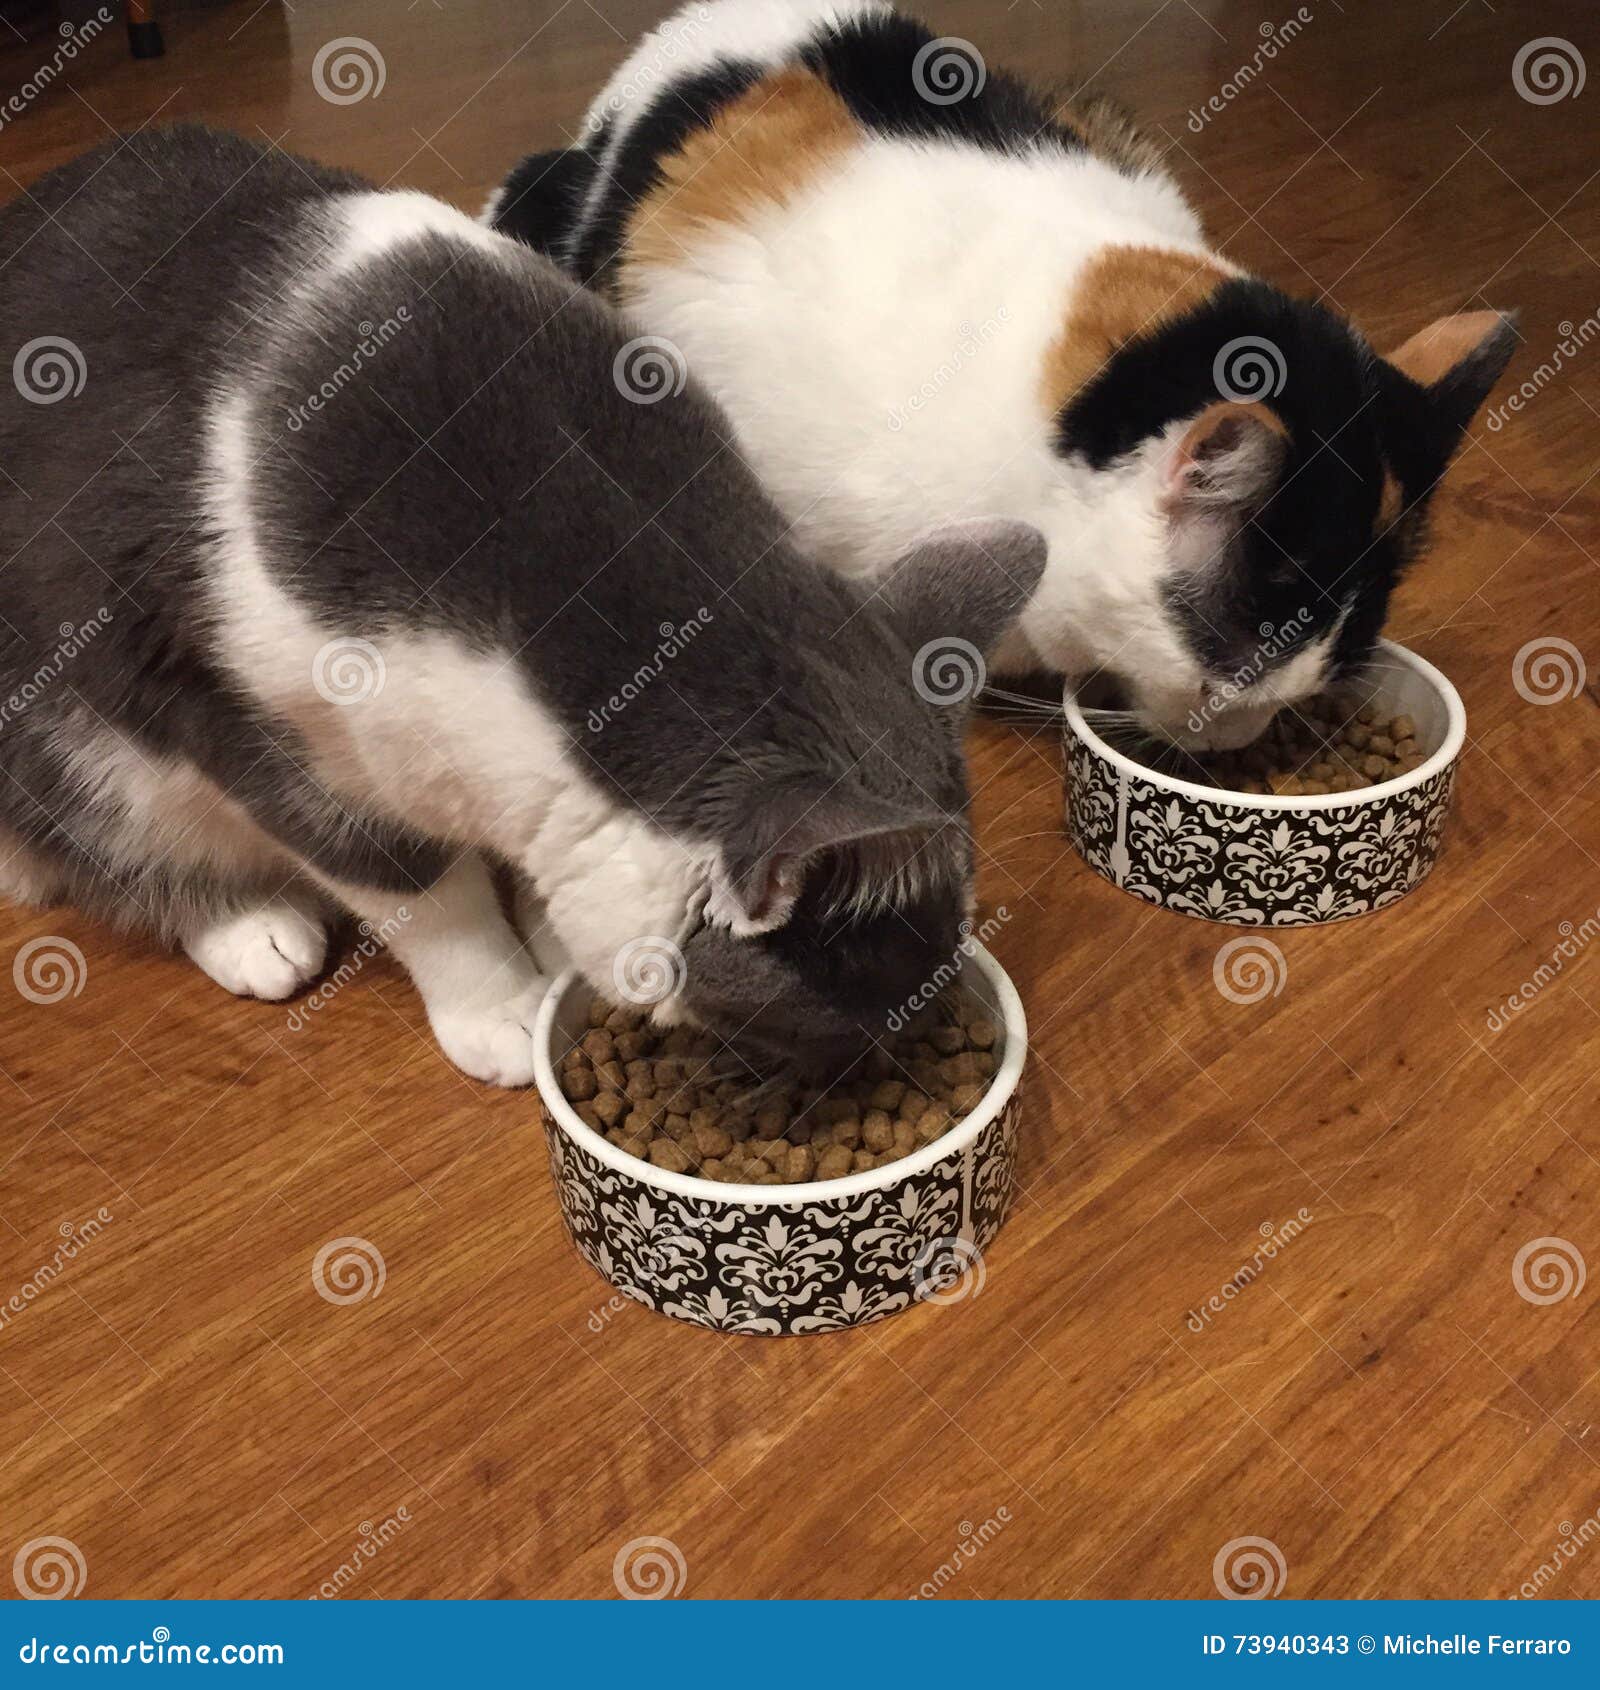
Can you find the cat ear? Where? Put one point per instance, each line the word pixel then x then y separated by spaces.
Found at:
pixel 754 883
pixel 1456 361
pixel 966 581
pixel 1226 461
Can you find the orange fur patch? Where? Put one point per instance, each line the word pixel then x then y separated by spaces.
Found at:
pixel 760 151
pixel 1123 292
pixel 1213 417
pixel 1225 414
pixel 1435 351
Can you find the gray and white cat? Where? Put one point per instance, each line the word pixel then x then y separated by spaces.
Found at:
pixel 339 566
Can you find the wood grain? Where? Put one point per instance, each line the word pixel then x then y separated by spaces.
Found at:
pixel 1380 1403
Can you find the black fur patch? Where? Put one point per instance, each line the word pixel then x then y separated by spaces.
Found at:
pixel 543 198
pixel 1172 371
pixel 635 167
pixel 871 63
pixel 1313 545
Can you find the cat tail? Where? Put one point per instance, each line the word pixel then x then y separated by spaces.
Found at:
pixel 541 201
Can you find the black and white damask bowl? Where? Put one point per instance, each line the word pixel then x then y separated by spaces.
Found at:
pixel 1270 861
pixel 793 1258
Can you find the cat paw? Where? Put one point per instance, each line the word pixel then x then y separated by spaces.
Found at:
pixel 26 878
pixel 493 1043
pixel 533 925
pixel 270 952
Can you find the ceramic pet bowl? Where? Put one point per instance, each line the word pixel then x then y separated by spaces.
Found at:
pixel 1271 861
pixel 792 1258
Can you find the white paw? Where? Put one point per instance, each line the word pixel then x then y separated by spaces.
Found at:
pixel 25 878
pixel 267 953
pixel 533 925
pixel 493 1043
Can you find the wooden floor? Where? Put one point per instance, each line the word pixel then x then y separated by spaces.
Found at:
pixel 1380 1404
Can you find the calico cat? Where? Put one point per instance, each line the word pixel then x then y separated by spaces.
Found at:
pixel 381 565
pixel 921 289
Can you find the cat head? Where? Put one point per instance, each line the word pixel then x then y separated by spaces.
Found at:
pixel 827 841
pixel 1271 475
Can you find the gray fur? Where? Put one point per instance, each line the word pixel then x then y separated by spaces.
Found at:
pixel 545 516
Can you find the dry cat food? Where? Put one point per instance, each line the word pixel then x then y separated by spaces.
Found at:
pixel 677 1098
pixel 1324 745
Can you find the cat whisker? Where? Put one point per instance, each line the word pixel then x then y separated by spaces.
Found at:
pixel 1023 704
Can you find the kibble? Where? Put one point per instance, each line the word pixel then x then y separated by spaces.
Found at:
pixel 681 1103
pixel 834 1162
pixel 877 1130
pixel 1324 745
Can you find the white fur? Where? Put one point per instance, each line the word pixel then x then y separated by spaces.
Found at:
pixel 269 952
pixel 695 37
pixel 152 809
pixel 883 404
pixel 880 343
pixel 453 743
pixel 162 808
pixel 25 877
pixel 372 224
